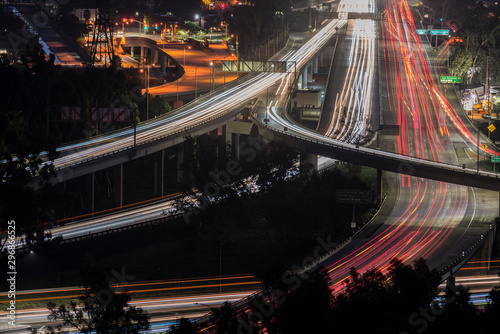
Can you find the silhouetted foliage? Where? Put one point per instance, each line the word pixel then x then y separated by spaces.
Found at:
pixel 99 310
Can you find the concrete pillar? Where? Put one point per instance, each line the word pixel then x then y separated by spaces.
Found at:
pixel 180 161
pixel 163 64
pixel 379 186
pixel 118 174
pixel 308 162
pixel 450 283
pixel 159 173
pixel 312 159
pixel 299 81
pixel 132 51
pixel 92 191
pixel 233 139
pixel 316 65
pixel 304 77
pixel 321 61
pixel 154 56
pixel 142 54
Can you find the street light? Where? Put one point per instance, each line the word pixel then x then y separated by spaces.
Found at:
pixel 132 20
pixel 146 85
pixel 196 82
pixel 212 75
pixel 204 305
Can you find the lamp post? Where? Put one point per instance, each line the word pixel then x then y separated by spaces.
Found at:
pixel 189 48
pixel 212 75
pixel 204 305
pixel 177 100
pixel 195 83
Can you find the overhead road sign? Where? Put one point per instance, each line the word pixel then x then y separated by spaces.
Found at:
pixel 450 79
pixel 495 159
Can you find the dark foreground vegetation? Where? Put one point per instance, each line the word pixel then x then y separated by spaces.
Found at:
pixel 404 300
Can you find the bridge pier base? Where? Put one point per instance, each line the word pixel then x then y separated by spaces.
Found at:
pixel 118 176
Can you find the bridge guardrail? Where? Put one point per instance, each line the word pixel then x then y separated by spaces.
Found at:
pixel 467 254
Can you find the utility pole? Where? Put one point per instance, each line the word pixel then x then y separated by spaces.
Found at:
pixel 478 144
pixel 487 91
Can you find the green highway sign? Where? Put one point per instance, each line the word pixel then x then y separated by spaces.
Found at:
pixel 440 32
pixel 495 159
pixel 450 79
pixel 432 31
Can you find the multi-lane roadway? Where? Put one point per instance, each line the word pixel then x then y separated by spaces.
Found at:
pixel 435 220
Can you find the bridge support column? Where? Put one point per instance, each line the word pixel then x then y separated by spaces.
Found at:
pixel 312 160
pixel 308 162
pixel 379 186
pixel 163 65
pixel 142 54
pixel 91 193
pixel 180 161
pixel 316 64
pixel 233 139
pixel 450 283
pixel 118 175
pixel 159 172
pixel 132 52
pixel 304 77
pixel 154 56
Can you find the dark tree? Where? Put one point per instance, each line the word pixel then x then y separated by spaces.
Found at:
pixel 99 310
pixel 183 326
